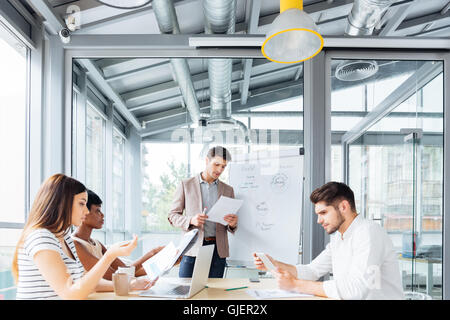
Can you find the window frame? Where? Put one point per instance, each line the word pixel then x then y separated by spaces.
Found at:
pixel 13 37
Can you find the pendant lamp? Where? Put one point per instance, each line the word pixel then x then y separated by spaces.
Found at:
pixel 293 35
pixel 125 4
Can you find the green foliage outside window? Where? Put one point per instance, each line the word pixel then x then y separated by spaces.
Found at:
pixel 158 197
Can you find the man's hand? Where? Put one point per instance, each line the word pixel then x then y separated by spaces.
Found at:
pixel 260 265
pixel 199 220
pixel 286 281
pixel 142 283
pixel 231 219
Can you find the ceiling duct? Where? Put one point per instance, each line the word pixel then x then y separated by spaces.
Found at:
pixel 365 14
pixel 168 23
pixel 221 19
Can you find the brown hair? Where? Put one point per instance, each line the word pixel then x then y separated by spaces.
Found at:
pixel 219 152
pixel 52 210
pixel 332 193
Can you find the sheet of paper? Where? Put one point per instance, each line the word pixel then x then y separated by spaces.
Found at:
pixel 160 262
pixel 186 242
pixel 275 293
pixel 222 207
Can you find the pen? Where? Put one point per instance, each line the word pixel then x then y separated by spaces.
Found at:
pixel 236 288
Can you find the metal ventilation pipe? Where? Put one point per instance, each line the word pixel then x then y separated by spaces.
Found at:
pixel 365 15
pixel 168 23
pixel 220 19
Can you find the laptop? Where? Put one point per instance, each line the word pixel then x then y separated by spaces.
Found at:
pixel 180 289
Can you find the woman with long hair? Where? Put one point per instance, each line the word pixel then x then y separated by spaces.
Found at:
pixel 46 264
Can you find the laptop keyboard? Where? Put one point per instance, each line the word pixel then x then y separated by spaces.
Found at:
pixel 179 290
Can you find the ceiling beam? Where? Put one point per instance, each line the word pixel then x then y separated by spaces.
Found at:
pixel 133 72
pixel 410 26
pixel 441 31
pixel 399 14
pixel 292 137
pixel 315 8
pixel 125 16
pixel 170 89
pixel 167 89
pixel 417 80
pixel 260 97
pixel 270 114
pixel 53 21
pixel 96 76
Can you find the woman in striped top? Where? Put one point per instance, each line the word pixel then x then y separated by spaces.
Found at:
pixel 46 264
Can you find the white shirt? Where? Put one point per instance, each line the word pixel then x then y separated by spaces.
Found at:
pixel 363 262
pixel 32 284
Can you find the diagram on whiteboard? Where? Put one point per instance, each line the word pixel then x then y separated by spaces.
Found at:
pixel 265 220
pixel 279 183
pixel 262 209
pixel 272 208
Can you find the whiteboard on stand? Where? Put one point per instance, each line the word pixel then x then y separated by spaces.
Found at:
pixel 271 185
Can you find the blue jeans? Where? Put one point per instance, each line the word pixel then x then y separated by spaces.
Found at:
pixel 215 271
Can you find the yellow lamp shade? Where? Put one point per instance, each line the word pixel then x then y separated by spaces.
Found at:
pixel 292 38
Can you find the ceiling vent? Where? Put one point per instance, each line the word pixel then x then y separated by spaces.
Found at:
pixel 356 70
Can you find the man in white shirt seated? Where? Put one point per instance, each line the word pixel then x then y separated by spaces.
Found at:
pixel 360 254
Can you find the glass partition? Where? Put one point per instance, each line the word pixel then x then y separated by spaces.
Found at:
pixel 391 156
pixel 268 115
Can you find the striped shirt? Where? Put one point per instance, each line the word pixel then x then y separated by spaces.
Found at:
pixel 210 194
pixel 32 284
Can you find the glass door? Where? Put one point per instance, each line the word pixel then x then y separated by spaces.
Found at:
pixel 387 145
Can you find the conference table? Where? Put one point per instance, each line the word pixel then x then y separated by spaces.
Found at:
pixel 215 290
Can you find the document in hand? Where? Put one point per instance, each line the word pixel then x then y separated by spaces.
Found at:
pixel 164 260
pixel 222 207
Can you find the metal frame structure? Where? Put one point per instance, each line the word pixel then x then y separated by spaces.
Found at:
pixel 316 120
pixel 384 108
pixel 45 107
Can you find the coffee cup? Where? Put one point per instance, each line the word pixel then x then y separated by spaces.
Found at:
pixel 121 282
pixel 130 271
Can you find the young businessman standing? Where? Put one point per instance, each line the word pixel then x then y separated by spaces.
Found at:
pixel 196 196
pixel 360 254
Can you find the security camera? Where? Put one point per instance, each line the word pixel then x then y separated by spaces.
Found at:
pixel 64 34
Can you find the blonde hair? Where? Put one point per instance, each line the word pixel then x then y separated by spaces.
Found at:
pixel 52 210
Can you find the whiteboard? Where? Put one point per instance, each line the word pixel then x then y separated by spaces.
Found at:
pixel 270 217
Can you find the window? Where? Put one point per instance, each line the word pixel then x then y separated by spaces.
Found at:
pixel 278 126
pixel 164 165
pixel 13 143
pixel 95 141
pixel 394 153
pixel 118 216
